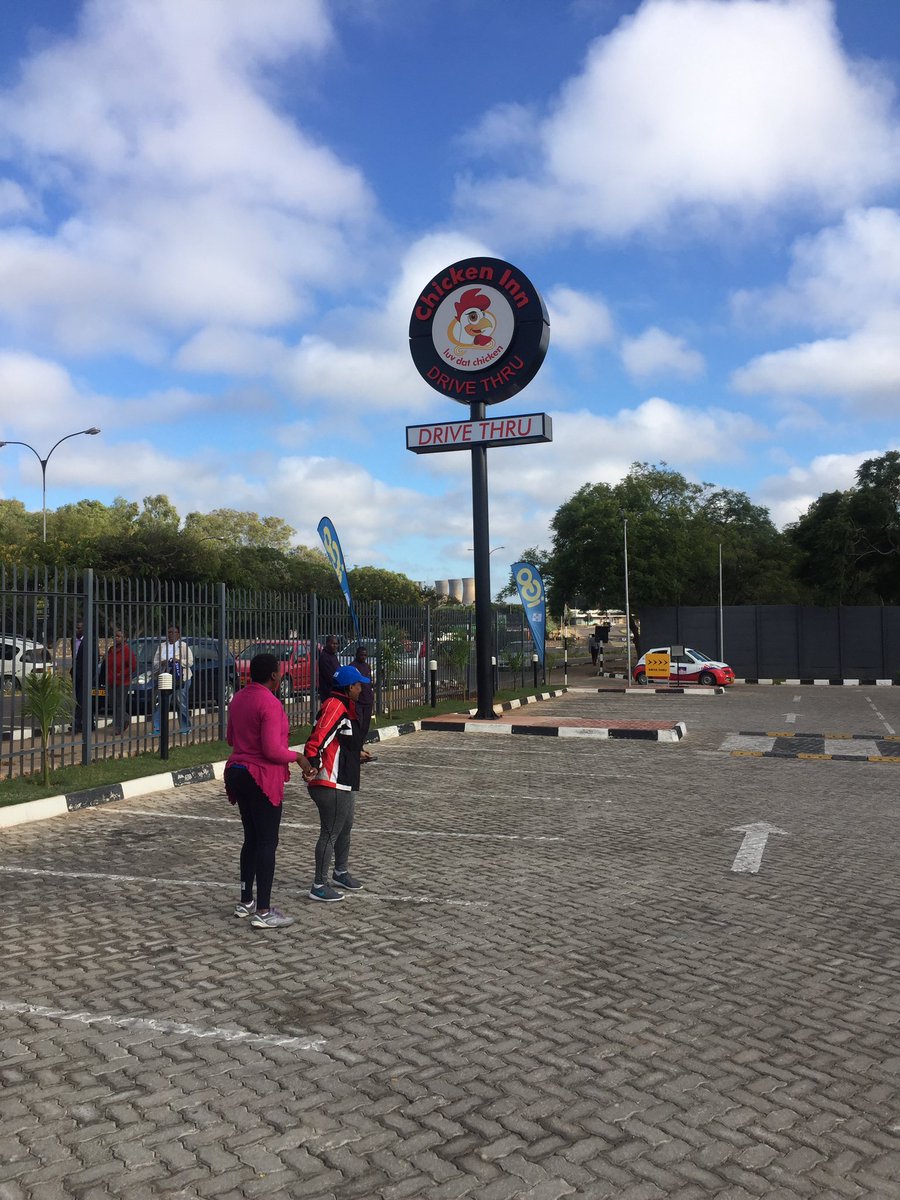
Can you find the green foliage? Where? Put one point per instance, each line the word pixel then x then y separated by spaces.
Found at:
pixel 47 700
pixel 374 583
pixel 241 549
pixel 675 528
pixel 232 528
pixel 848 543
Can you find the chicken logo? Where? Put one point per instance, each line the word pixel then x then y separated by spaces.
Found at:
pixel 474 324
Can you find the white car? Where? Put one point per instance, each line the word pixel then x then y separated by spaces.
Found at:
pixel 692 667
pixel 18 658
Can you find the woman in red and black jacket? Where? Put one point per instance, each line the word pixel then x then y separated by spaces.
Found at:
pixel 334 750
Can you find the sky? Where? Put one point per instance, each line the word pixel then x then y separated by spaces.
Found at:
pixel 216 217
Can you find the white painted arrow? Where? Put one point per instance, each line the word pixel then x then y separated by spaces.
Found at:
pixel 749 857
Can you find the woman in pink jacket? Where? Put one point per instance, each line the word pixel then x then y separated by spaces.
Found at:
pixel 255 775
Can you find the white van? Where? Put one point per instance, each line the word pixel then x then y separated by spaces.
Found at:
pixel 18 658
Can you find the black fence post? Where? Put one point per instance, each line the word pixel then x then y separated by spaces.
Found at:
pixel 223 715
pixel 88 670
pixel 379 671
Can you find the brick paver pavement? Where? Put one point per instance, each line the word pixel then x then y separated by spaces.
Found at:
pixel 554 985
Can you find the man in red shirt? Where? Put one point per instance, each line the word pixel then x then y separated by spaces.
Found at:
pixel 116 672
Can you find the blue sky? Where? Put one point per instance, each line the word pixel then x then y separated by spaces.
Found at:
pixel 215 219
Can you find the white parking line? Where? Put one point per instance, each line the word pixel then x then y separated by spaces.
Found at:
pixel 158 1025
pixel 157 882
pixel 357 828
pixel 880 717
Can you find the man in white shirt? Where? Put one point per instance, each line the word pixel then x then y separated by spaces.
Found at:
pixel 176 657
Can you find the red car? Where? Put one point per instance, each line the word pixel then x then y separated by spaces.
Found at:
pixel 692 667
pixel 294 662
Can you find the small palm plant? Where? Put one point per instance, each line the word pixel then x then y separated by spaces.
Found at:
pixel 48 700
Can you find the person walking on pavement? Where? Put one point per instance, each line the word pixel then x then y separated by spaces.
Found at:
pixel 176 657
pixel 116 672
pixel 255 775
pixel 328 664
pixel 334 752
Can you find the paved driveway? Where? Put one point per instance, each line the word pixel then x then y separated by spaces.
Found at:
pixel 590 969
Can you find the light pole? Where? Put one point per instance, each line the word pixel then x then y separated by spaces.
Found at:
pixel 627 605
pixel 44 461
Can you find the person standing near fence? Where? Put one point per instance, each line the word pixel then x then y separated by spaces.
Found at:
pixel 366 700
pixel 255 775
pixel 84 658
pixel 334 752
pixel 176 657
pixel 116 672
pixel 328 664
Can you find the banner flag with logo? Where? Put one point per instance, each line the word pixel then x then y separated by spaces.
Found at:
pixel 330 541
pixel 534 601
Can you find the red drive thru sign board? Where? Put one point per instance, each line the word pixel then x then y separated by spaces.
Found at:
pixel 491 431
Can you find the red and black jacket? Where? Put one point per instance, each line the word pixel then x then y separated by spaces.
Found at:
pixel 334 745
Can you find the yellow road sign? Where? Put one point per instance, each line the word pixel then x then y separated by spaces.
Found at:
pixel 657 666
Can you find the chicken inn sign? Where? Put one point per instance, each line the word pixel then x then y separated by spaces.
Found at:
pixel 478 334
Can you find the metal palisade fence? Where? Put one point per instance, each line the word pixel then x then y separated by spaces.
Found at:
pixel 64 622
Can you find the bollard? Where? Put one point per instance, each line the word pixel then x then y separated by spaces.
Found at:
pixel 432 671
pixel 495 671
pixel 534 662
pixel 164 684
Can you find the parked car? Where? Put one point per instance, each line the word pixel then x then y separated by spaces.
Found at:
pixel 294 663
pixel 204 689
pixel 18 658
pixel 693 667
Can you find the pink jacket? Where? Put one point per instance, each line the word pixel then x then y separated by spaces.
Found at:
pixel 258 735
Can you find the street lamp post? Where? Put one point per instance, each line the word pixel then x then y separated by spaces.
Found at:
pixel 627 604
pixel 44 461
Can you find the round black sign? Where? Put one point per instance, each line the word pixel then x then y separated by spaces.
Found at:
pixel 479 331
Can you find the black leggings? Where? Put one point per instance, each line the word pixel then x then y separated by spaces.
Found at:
pixel 261 820
pixel 335 823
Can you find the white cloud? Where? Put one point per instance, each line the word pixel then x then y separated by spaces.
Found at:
pixel 693 106
pixel 843 281
pixel 788 496
pixel 863 368
pixel 189 198
pixel 578 321
pixel 655 352
pixel 590 447
pixel 839 278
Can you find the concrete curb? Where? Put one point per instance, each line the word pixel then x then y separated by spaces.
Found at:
pixel 796 682
pixel 674 734
pixel 56 806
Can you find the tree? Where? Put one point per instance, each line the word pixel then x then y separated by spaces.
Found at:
pixel 674 530
pixel 848 543
pixel 48 700
pixel 390 587
pixel 233 528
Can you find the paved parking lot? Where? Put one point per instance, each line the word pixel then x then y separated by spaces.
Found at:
pixel 588 969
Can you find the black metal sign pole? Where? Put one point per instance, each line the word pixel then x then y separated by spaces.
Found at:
pixel 479 328
pixel 484 675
